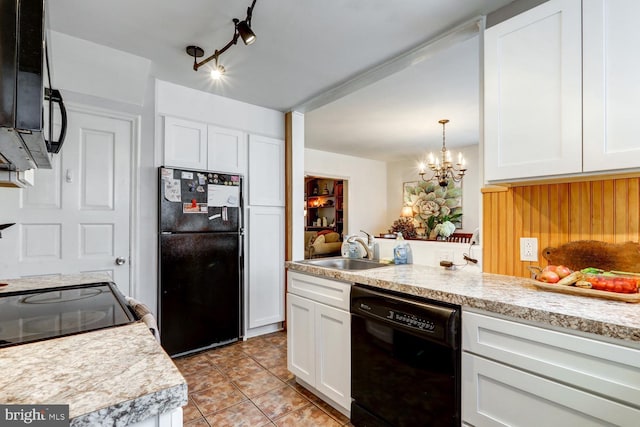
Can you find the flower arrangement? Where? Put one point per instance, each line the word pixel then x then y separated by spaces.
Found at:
pixel 405 226
pixel 434 205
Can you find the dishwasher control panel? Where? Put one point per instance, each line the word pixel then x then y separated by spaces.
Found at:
pixel 429 319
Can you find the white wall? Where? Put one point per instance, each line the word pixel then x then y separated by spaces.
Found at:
pixel 399 172
pixel 430 253
pixel 92 69
pixel 367 187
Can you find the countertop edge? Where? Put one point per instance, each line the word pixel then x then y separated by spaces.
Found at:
pixel 508 306
pixel 135 410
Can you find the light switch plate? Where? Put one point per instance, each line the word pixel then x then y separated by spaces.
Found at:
pixel 528 249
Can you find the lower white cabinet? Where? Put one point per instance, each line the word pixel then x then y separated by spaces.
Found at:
pixel 319 336
pixel 515 374
pixel 171 418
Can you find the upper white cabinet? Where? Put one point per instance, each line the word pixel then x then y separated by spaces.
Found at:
pixel 185 143
pixel 611 86
pixel 266 171
pixel 196 145
pixel 561 90
pixel 227 150
pixel 533 102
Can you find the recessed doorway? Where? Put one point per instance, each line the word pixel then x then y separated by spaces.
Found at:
pixel 325 211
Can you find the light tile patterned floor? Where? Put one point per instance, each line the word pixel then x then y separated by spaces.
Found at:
pixel 247 384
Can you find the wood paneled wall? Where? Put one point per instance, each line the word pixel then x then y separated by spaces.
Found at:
pixel 607 210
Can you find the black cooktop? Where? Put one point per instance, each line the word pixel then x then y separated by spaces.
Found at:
pixel 51 313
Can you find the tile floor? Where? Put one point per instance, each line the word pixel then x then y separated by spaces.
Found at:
pixel 247 384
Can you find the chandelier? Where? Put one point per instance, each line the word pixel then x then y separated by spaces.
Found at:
pixel 443 168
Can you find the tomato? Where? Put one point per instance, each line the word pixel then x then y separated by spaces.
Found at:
pixel 610 283
pixel 629 286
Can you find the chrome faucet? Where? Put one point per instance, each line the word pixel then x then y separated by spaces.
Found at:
pixel 358 239
pixel 370 239
pixel 369 245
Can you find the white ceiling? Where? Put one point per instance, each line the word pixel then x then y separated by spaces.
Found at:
pixel 397 117
pixel 303 49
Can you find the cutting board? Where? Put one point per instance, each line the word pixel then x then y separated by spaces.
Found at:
pixel 593 253
pixel 572 290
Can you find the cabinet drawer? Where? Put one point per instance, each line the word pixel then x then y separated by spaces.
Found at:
pixel 604 368
pixel 494 394
pixel 330 292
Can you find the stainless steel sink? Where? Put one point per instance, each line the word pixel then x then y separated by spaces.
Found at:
pixel 345 263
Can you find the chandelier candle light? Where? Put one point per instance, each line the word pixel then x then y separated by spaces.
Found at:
pixel 443 168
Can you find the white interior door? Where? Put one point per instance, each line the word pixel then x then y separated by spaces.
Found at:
pixel 76 216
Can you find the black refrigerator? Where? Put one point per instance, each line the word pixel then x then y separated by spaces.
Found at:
pixel 200 259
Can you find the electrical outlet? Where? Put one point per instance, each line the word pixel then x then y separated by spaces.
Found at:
pixel 528 249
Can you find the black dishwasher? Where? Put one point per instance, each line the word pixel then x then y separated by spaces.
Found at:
pixel 405 360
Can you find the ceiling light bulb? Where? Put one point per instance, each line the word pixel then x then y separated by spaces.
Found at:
pixel 217 72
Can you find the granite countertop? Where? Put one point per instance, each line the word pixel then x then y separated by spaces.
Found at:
pixel 510 296
pixel 116 375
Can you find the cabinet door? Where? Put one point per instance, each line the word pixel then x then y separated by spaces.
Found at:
pixel 333 354
pixel 185 144
pixel 533 93
pixel 266 171
pixel 266 265
pixel 577 361
pixel 494 394
pixel 300 338
pixel 611 89
pixel 226 150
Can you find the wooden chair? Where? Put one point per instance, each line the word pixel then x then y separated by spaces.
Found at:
pixel 460 237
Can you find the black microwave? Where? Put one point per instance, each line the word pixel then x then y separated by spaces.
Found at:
pixel 24 100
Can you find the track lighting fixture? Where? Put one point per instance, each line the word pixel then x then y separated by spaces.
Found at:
pixel 242 29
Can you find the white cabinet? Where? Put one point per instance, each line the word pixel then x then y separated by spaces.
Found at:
pixel 266 231
pixel 333 353
pixel 561 92
pixel 266 171
pixel 195 145
pixel 171 418
pixel 266 265
pixel 300 337
pixel 319 336
pixel 521 375
pixel 611 89
pixel 185 144
pixel 532 94
pixel 226 150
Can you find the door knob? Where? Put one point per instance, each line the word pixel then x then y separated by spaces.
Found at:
pixel 120 260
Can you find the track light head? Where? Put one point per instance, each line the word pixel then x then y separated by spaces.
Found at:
pixel 247 35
